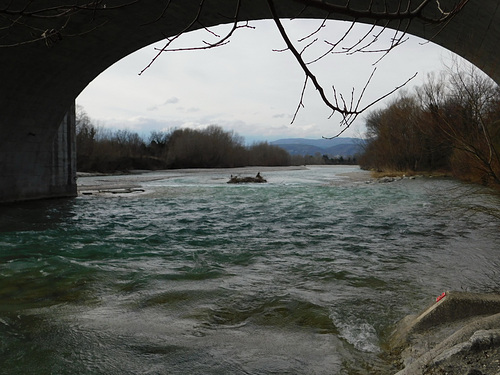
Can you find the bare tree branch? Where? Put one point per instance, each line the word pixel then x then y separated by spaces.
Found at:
pixel 60 14
pixel 206 45
pixel 349 111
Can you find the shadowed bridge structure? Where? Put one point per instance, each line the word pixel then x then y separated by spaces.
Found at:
pixel 40 80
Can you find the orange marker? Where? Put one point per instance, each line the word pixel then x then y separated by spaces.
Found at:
pixel 441 297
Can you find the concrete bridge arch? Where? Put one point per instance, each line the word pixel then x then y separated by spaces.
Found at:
pixel 39 81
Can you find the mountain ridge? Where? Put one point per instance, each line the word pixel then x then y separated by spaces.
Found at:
pixel 345 146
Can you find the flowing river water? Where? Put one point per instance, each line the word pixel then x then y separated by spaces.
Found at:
pixel 187 274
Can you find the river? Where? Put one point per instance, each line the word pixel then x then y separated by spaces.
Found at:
pixel 186 274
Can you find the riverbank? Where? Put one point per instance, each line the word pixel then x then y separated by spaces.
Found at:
pixel 402 174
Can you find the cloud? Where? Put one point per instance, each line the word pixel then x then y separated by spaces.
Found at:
pixel 140 124
pixel 172 100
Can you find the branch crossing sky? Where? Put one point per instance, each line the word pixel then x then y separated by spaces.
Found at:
pixel 250 88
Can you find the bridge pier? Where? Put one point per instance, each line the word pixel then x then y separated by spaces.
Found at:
pixel 40 165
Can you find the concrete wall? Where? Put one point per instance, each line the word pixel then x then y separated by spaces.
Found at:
pixel 39 165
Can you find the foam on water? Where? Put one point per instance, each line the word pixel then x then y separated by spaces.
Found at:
pixel 361 335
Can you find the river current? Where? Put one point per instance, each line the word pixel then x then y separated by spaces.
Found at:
pixel 187 274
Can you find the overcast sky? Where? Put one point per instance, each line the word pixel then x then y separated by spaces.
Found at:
pixel 247 87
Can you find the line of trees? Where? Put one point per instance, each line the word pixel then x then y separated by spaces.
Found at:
pixel 214 147
pixel 103 150
pixel 323 159
pixel 449 124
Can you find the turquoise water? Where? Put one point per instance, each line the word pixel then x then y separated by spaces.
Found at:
pixel 304 275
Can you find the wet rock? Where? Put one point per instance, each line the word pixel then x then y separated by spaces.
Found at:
pixel 390 179
pixel 386 179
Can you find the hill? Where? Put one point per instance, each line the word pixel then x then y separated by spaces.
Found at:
pixel 332 147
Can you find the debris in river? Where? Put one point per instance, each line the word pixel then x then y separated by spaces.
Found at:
pixel 239 180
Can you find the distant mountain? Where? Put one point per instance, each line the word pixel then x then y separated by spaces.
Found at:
pixel 331 147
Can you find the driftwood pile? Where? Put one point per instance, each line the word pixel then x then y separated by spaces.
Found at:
pixel 242 180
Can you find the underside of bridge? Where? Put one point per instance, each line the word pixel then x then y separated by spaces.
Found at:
pixel 47 61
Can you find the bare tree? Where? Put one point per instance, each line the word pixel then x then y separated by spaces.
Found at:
pixel 464 104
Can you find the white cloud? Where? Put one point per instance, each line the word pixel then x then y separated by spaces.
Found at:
pixel 172 100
